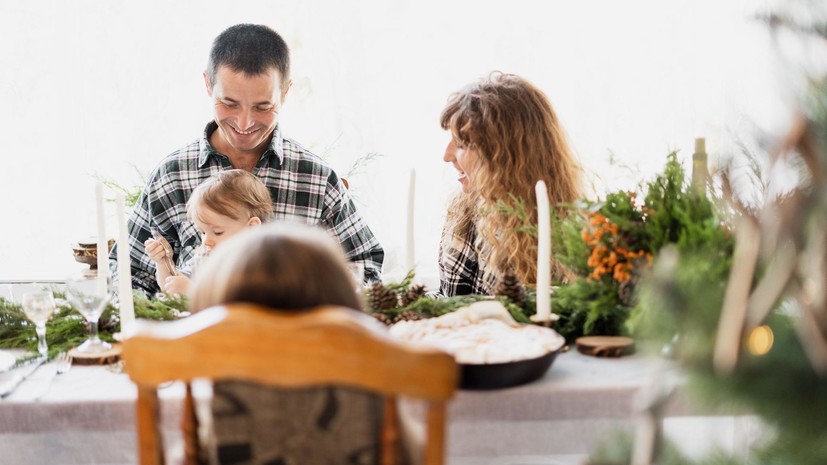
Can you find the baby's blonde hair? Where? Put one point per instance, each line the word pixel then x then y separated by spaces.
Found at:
pixel 236 194
pixel 287 266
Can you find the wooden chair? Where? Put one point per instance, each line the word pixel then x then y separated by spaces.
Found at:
pixel 327 345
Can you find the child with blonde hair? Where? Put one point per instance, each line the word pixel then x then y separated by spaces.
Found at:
pixel 226 203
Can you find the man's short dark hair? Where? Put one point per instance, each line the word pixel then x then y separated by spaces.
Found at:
pixel 251 49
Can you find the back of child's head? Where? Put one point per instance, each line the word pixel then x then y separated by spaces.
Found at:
pixel 236 194
pixel 287 266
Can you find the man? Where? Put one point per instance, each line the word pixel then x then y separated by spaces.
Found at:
pixel 247 78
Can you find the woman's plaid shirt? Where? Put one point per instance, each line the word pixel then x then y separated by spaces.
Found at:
pixel 460 269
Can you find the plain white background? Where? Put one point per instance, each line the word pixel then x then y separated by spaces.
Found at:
pixel 108 88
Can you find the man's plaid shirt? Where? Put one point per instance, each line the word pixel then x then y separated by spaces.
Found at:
pixel 303 188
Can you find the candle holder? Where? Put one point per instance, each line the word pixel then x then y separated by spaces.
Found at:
pixel 86 252
pixel 544 321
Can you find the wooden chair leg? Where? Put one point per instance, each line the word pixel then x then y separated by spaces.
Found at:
pixel 435 436
pixel 390 433
pixel 189 427
pixel 150 444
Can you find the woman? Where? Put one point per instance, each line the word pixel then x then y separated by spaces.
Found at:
pixel 289 267
pixel 505 136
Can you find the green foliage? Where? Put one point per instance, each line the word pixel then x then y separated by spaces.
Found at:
pixel 429 307
pixel 678 214
pixel 588 307
pixel 516 207
pixel 67 328
pixel 131 193
pixel 762 384
pixel 404 284
pixel 686 291
pixel 567 236
pixel 360 164
pixel 665 200
pixel 621 209
pixel 616 449
pixel 608 244
pixel 700 248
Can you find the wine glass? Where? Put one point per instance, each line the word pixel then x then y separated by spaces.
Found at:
pixel 89 298
pixel 5 292
pixel 38 307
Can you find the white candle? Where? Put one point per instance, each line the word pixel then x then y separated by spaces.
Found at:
pixel 543 253
pixel 410 258
pixel 127 307
pixel 103 249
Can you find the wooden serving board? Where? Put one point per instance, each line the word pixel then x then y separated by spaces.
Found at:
pixel 101 358
pixel 605 346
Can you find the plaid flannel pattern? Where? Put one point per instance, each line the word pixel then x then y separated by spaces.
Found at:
pixel 303 188
pixel 460 271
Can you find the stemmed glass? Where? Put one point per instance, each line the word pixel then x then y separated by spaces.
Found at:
pixel 38 307
pixel 5 292
pixel 83 293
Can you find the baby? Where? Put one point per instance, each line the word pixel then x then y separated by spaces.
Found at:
pixel 220 207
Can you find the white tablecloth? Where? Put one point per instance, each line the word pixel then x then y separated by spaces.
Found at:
pixel 87 417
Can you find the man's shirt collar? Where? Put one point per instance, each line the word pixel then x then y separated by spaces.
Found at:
pixel 206 149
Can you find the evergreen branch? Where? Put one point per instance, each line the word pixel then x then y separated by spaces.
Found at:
pixel 404 284
pixel 359 165
pixel 67 328
pixel 131 193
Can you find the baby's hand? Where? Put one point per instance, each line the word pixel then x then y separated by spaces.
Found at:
pixel 155 250
pixel 177 285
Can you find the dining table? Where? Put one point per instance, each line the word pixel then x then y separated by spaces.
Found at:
pixel 87 415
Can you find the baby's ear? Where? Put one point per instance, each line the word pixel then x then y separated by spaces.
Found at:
pixel 254 221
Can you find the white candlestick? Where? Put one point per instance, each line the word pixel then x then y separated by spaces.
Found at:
pixel 127 306
pixel 410 257
pixel 543 253
pixel 103 249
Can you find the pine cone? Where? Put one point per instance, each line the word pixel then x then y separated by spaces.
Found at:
pixel 381 298
pixel 412 294
pixel 383 318
pixel 626 291
pixel 510 287
pixel 109 324
pixel 409 315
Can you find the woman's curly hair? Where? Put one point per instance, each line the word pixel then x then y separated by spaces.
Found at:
pixel 519 140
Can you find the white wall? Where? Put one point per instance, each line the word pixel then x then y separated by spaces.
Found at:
pixel 100 87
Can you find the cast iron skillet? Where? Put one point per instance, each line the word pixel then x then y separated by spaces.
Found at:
pixel 502 375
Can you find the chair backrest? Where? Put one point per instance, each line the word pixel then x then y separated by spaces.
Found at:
pixel 323 346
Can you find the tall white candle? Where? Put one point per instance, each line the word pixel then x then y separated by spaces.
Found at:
pixel 410 257
pixel 543 253
pixel 127 306
pixel 103 249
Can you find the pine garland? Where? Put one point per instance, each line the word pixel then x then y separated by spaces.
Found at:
pixel 428 307
pixel 67 328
